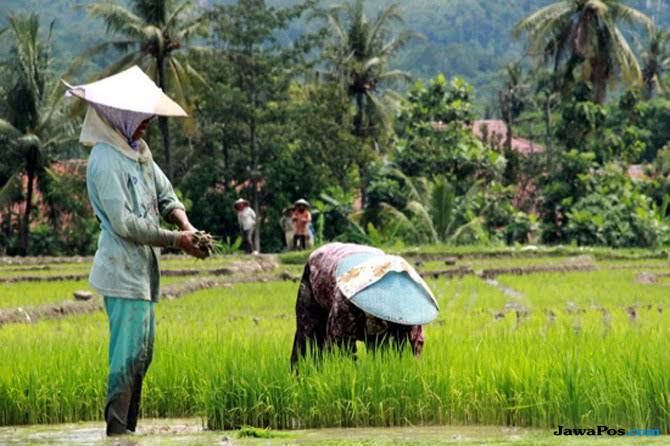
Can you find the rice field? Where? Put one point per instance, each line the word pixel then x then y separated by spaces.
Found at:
pixel 533 351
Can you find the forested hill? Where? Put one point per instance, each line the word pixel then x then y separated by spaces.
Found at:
pixel 470 38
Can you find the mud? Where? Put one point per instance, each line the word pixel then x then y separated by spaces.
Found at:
pixel 192 432
pixel 646 278
pixel 448 273
pixel 507 291
pixel 532 253
pixel 491 273
pixel 43 260
pixel 520 271
pixel 27 268
pixel 260 264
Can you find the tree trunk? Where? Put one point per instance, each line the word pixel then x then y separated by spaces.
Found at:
pixel 31 165
pixel 358 119
pixel 599 81
pixel 506 111
pixel 254 185
pixel 547 125
pixel 648 76
pixel 253 146
pixel 163 122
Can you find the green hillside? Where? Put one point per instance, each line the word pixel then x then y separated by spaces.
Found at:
pixel 470 38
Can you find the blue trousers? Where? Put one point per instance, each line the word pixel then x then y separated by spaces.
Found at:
pixel 131 330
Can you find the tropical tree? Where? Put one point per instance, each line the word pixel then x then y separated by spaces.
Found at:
pixel 585 34
pixel 512 98
pixel 32 124
pixel 655 61
pixel 148 34
pixel 358 56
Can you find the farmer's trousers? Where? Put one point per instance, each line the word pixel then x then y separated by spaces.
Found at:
pixel 131 327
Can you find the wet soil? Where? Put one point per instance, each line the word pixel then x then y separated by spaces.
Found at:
pixel 192 432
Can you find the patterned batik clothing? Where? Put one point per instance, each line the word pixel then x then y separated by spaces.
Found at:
pixel 324 317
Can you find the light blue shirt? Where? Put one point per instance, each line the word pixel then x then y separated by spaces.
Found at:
pixel 129 193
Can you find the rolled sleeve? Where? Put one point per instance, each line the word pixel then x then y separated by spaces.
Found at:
pixel 167 199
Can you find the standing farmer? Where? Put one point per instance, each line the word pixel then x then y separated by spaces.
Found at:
pixel 352 293
pixel 287 227
pixel 129 193
pixel 301 220
pixel 246 217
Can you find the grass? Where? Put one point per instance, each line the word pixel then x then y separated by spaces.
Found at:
pixel 529 252
pixel 222 354
pixel 613 289
pixel 167 263
pixel 28 294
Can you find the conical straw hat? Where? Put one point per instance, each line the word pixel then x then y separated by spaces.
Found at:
pixel 130 90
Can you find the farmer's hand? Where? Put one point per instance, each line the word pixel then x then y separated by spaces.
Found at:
pixel 185 243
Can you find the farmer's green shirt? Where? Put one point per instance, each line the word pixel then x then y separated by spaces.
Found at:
pixel 129 193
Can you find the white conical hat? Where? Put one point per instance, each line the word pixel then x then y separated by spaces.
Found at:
pixel 130 90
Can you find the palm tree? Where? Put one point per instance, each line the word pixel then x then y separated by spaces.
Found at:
pixel 432 212
pixel 585 33
pixel 512 98
pixel 655 61
pixel 33 124
pixel 148 34
pixel 359 57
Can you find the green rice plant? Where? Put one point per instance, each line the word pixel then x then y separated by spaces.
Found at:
pixel 223 354
pixel 28 294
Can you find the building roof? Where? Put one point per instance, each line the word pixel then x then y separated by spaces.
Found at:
pixel 494 132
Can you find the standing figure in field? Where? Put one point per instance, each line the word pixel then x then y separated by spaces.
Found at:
pixel 129 193
pixel 287 227
pixel 246 217
pixel 352 293
pixel 301 220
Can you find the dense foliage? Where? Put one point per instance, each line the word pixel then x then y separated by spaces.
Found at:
pixel 301 100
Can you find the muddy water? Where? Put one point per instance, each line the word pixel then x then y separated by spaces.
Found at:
pixel 191 432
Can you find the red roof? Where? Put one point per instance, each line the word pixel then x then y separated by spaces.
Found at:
pixel 75 168
pixel 636 171
pixel 494 132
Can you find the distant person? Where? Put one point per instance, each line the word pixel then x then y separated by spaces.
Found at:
pixel 352 293
pixel 246 217
pixel 287 227
pixel 301 220
pixel 129 193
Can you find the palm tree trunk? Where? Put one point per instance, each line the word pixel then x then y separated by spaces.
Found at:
pixel 163 122
pixel 599 81
pixel 358 119
pixel 253 138
pixel 648 76
pixel 547 125
pixel 253 147
pixel 358 132
pixel 31 161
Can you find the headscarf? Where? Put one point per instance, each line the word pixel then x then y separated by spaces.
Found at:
pixel 123 121
pixel 96 130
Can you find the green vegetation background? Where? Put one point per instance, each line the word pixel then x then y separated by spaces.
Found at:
pixel 467 38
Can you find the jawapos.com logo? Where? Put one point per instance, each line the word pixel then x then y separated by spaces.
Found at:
pixel 600 431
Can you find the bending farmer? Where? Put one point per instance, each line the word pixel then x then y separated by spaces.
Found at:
pixel 129 193
pixel 355 293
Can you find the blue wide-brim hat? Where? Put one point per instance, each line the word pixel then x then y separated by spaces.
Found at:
pixel 396 297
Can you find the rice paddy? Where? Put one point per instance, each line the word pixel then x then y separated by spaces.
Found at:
pixel 534 351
